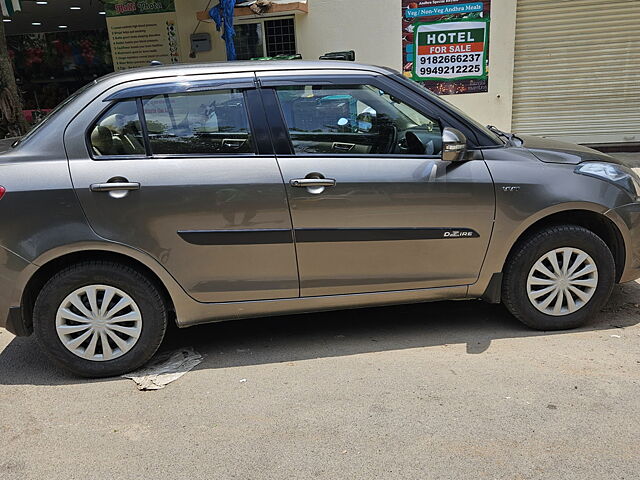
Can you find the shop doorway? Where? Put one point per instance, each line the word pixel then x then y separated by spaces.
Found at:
pixel 56 46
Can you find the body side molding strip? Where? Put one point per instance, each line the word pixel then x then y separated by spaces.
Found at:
pixel 236 237
pixel 304 235
pixel 321 235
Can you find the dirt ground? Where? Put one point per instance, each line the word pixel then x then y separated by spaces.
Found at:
pixel 435 391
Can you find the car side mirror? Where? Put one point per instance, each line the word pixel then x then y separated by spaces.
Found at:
pixel 454 145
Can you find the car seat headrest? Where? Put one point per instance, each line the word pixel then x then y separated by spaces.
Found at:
pixel 102 140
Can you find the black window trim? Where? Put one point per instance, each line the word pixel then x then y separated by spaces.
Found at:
pixel 143 127
pixel 280 130
pixel 482 141
pixel 176 87
pixel 429 108
pixel 255 113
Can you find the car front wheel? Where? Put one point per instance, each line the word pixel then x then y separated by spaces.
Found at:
pixel 99 319
pixel 558 278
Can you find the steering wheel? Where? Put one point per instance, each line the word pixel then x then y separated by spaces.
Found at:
pixel 414 144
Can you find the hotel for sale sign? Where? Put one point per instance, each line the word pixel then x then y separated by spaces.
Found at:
pixel 451 51
pixel 446 45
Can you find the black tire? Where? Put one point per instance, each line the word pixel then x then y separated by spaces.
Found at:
pixel 526 254
pixel 144 293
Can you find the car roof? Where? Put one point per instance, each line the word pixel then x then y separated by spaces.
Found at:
pixel 53 130
pixel 239 67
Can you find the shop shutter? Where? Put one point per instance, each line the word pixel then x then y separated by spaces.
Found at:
pixel 577 70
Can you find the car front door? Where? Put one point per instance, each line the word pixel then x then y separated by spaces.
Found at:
pixel 184 170
pixel 373 207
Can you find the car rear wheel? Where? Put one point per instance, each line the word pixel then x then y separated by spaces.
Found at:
pixel 558 278
pixel 99 319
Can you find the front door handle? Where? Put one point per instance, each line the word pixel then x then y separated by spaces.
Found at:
pixel 313 182
pixel 114 186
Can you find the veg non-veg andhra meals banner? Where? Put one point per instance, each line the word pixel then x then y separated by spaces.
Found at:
pixel 446 44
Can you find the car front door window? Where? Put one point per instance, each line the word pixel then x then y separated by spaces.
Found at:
pixel 355 119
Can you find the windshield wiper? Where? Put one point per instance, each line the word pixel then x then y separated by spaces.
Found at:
pixel 509 136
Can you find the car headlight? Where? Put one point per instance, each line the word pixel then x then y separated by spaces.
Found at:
pixel 619 175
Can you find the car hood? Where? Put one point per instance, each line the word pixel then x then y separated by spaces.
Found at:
pixel 554 151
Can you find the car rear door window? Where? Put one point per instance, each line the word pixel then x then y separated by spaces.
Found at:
pixel 118 132
pixel 356 120
pixel 198 123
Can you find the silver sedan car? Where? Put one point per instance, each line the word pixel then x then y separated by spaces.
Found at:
pixel 203 193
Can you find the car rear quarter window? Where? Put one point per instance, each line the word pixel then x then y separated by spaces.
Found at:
pixel 118 132
pixel 198 123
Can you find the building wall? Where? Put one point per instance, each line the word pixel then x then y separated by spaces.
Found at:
pixel 495 106
pixel 187 22
pixel 370 27
pixel 373 29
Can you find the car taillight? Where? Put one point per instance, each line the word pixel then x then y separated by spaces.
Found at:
pixel 2 191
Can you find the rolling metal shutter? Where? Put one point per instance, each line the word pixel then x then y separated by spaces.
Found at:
pixel 577 70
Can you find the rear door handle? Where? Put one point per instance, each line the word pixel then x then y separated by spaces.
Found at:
pixel 113 186
pixel 343 147
pixel 233 143
pixel 313 182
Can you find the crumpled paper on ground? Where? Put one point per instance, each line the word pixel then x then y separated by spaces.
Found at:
pixel 164 369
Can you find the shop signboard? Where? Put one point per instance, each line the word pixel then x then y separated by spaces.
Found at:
pixel 118 8
pixel 142 31
pixel 446 45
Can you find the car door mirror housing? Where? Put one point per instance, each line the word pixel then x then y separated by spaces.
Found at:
pixel 454 145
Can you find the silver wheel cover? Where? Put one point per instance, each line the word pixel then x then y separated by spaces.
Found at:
pixel 98 323
pixel 562 281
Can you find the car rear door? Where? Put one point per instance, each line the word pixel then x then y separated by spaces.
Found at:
pixel 368 214
pixel 184 170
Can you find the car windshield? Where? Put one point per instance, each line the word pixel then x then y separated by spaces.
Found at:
pixel 53 113
pixel 456 110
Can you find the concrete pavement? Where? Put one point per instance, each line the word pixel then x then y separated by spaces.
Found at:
pixel 445 390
